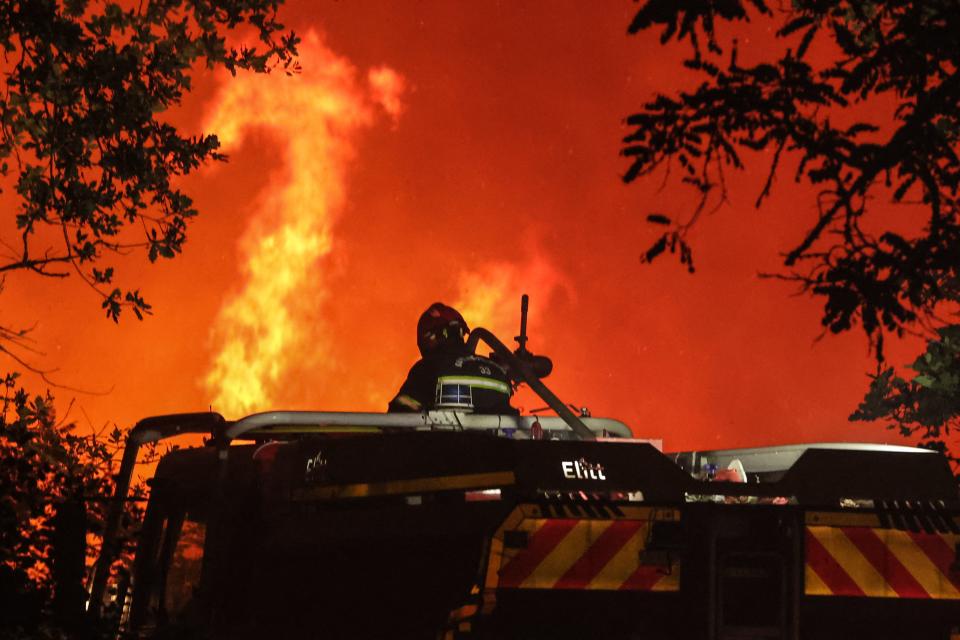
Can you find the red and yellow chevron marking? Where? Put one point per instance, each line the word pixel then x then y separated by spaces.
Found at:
pixel 580 554
pixel 881 563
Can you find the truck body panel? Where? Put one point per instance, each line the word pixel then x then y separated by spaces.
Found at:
pixel 474 534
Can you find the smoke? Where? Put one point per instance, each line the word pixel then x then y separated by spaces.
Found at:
pixel 489 297
pixel 315 118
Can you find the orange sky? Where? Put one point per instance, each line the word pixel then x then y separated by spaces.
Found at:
pixel 462 152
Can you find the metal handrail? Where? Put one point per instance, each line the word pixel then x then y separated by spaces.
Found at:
pixel 261 424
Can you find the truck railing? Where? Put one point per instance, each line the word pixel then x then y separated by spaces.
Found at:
pixel 261 425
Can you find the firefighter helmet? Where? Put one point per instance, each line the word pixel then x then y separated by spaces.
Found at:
pixel 440 326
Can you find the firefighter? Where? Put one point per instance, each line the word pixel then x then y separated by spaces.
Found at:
pixel 448 376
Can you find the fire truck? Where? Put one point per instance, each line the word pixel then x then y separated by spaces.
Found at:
pixel 448 524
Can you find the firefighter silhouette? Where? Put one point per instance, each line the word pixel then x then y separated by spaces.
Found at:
pixel 448 375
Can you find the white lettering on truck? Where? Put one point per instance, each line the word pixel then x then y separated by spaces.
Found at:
pixel 582 470
pixel 315 463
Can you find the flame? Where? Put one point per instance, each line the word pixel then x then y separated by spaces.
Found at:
pixel 489 297
pixel 387 86
pixel 315 118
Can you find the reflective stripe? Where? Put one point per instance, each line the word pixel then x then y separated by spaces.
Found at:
pixel 477 382
pixel 398 487
pixel 880 563
pixel 580 554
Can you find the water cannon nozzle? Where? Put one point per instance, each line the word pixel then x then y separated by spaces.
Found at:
pixel 522 338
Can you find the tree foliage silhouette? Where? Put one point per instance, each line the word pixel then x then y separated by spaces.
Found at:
pixel 899 52
pixel 89 170
pixel 86 157
pixel 44 465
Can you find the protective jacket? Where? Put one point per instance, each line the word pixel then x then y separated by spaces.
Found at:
pixel 455 380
